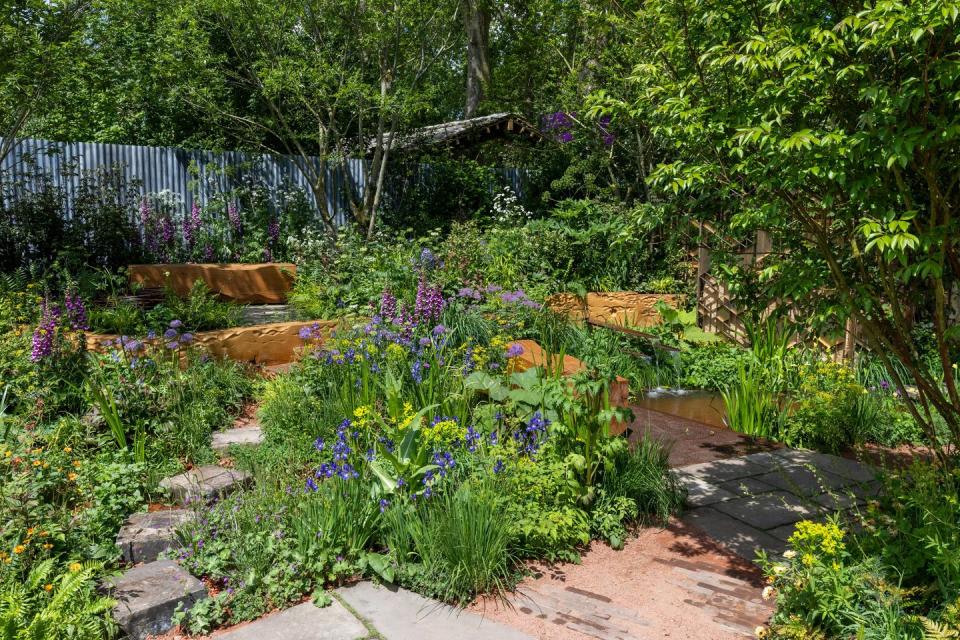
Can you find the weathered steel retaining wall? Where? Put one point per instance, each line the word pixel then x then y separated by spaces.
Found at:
pixel 266 283
pixel 266 344
pixel 623 308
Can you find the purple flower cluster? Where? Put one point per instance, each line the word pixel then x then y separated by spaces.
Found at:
pixel 444 461
pixel 560 124
pixel 192 225
pixel 174 338
pixel 273 230
pixel 313 333
pixel 607 136
pixel 532 434
pixel 76 311
pixel 44 336
pixel 429 303
pixel 339 466
pixel 233 214
pixel 388 304
pixel 519 297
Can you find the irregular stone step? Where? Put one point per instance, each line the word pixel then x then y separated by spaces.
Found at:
pixel 204 483
pixel 222 440
pixel 144 536
pixel 147 597
pixel 303 622
pixel 398 614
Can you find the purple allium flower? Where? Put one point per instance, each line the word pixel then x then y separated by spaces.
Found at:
pixel 515 350
pixel 176 324
pixel 170 334
pixel 186 338
pixel 439 330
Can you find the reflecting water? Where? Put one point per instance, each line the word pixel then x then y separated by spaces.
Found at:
pixel 700 406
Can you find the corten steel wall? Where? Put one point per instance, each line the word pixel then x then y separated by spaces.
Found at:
pixel 189 174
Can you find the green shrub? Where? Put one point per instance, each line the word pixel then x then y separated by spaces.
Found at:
pixel 542 513
pixel 829 412
pixel 712 366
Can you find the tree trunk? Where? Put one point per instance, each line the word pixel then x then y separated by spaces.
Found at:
pixel 476 23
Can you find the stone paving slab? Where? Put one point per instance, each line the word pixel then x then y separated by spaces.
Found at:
pixel 734 534
pixel 249 436
pixel 204 483
pixel 856 471
pixel 398 614
pixel 768 510
pixel 701 493
pixel 147 597
pixel 302 622
pixel 746 487
pixel 804 481
pixel 144 536
pixel 724 470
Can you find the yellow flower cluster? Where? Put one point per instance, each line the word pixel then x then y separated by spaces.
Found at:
pixel 815 538
pixel 396 353
pixel 443 434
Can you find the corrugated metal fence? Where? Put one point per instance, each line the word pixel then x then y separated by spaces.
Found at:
pixel 187 174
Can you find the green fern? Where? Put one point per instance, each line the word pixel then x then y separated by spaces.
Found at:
pixel 49 606
pixel 938 631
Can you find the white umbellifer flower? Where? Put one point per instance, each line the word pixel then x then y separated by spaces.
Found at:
pixel 768 592
pixel 789 554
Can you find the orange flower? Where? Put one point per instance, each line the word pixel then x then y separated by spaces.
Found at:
pixel 71 476
pixel 67 449
pixel 76 463
pixel 20 548
pixel 48 587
